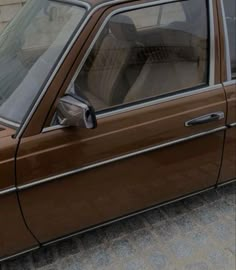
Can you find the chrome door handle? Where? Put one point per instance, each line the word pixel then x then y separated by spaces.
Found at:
pixel 205 119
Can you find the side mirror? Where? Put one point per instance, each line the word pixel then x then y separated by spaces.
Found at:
pixel 75 112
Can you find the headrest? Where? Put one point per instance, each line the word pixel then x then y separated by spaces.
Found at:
pixel 123 28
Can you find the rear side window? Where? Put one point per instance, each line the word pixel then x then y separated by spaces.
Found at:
pixel 230 15
pixel 147 53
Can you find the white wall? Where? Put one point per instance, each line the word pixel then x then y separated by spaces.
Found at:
pixel 8 9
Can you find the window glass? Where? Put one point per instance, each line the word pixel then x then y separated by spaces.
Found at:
pixel 147 53
pixel 230 14
pixel 29 48
pixel 158 15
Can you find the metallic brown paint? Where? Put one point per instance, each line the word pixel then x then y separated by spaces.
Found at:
pixel 228 170
pixel 14 236
pixel 85 199
pixel 78 201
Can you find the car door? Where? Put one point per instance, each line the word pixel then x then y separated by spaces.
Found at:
pixel 14 235
pixel 160 110
pixel 228 26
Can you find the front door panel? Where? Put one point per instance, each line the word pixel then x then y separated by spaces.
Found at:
pixel 14 236
pixel 228 32
pixel 71 179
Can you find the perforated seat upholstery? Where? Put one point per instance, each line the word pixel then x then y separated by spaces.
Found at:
pixel 175 64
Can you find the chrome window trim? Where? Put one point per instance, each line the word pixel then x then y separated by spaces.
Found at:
pixel 159 100
pixel 145 104
pixel 229 83
pixel 211 37
pixel 90 14
pixel 119 158
pixel 212 44
pixel 9 123
pixel 226 38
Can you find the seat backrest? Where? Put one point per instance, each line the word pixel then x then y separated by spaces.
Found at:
pixel 106 77
pixel 172 65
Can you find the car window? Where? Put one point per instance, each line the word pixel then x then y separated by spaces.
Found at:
pixel 146 53
pixel 157 16
pixel 230 15
pixel 30 46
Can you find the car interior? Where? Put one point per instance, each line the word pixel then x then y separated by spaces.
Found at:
pixel 129 64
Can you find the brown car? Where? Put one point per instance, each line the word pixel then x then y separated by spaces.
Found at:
pixel 110 108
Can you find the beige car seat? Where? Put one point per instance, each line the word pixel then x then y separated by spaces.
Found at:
pixel 107 81
pixel 175 63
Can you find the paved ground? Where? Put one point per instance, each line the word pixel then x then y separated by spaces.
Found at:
pixel 194 234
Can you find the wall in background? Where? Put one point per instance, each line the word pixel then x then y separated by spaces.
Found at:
pixel 8 9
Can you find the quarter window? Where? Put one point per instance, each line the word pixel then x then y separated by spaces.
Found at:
pixel 147 53
pixel 230 15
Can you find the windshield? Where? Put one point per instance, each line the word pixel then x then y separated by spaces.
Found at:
pixel 30 47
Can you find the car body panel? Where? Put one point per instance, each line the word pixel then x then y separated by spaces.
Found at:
pixel 70 179
pixel 7 153
pixel 14 236
pixel 228 170
pixel 84 198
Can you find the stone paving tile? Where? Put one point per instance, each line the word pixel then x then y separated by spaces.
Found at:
pixel 156 216
pixel 134 223
pixel 92 239
pixel 159 261
pixel 222 231
pixel 197 233
pixel 197 266
pixel 181 248
pixel 100 257
pixel 224 208
pixel 176 209
pixel 186 223
pixel 200 239
pixel 166 231
pixel 69 247
pixel 220 259
pixel 44 256
pixel 122 249
pixel 194 202
pixel 204 216
pixel 211 195
pixel 143 239
pixel 136 264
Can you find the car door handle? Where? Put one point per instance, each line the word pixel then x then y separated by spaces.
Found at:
pixel 205 119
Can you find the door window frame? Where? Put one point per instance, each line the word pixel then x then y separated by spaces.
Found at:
pixel 229 77
pixel 157 99
pixel 150 101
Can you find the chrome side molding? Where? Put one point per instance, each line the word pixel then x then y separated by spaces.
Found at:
pixel 119 158
pixel 7 191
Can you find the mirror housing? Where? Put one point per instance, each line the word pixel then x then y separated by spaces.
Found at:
pixel 75 112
